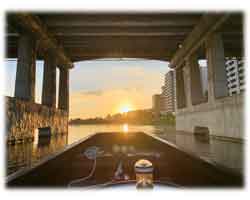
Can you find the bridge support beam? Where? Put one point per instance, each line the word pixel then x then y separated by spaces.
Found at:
pixel 180 91
pixel 187 84
pixel 63 100
pixel 26 68
pixel 49 81
pixel 217 78
pixel 195 80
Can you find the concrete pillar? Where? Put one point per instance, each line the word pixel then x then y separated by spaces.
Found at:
pixel 195 80
pixel 63 100
pixel 26 68
pixel 49 81
pixel 217 78
pixel 180 91
pixel 187 84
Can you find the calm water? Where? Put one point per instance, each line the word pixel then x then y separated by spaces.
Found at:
pixel 22 156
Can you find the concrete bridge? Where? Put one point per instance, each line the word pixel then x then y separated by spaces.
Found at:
pixel 61 39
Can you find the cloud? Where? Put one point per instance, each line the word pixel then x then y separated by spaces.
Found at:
pixel 103 92
pixel 93 93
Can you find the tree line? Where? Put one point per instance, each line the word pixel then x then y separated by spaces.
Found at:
pixel 145 117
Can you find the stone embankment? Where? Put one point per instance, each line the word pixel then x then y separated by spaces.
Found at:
pixel 23 118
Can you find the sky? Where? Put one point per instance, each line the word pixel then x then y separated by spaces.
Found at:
pixel 102 87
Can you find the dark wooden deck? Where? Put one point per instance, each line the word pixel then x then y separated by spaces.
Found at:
pixel 173 164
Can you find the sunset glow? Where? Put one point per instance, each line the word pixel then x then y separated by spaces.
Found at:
pixel 125 108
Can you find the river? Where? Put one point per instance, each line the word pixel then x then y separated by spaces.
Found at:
pixel 229 154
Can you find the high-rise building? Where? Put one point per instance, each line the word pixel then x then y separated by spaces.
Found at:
pixel 168 93
pixel 158 104
pixel 235 76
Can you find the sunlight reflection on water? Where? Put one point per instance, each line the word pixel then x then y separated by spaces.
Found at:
pixel 125 128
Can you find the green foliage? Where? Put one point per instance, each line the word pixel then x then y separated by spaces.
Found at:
pixel 143 117
pixel 168 119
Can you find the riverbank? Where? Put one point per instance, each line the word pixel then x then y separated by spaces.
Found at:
pixel 137 117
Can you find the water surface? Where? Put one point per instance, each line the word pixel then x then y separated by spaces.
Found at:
pixel 229 154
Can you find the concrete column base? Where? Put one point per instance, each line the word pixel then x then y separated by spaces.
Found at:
pixel 224 118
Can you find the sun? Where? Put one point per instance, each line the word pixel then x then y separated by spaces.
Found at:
pixel 125 108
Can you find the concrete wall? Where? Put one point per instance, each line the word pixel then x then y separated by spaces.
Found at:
pixel 24 117
pixel 224 117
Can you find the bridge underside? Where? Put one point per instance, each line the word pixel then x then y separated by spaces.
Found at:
pixel 118 35
pixel 180 38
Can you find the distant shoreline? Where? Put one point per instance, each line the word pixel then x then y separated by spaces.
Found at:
pixel 136 117
pixel 121 123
